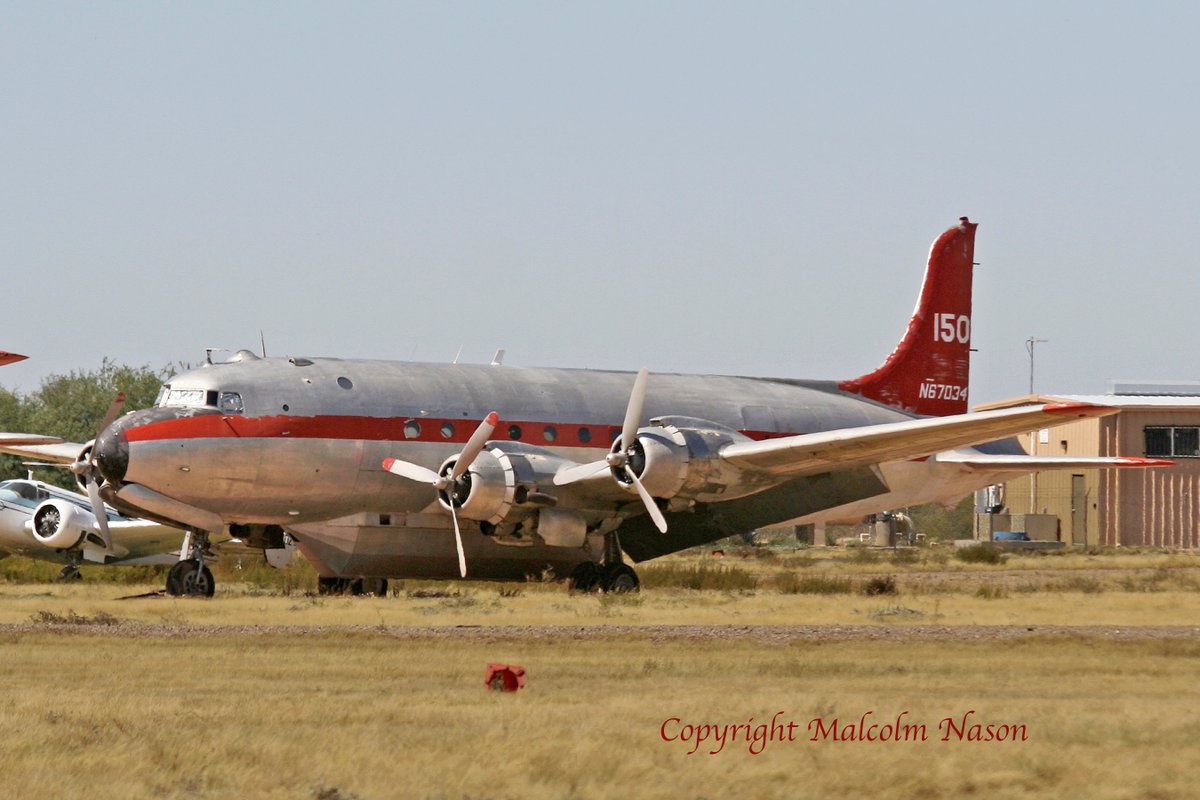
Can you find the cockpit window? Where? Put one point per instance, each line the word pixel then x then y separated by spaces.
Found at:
pixel 230 403
pixel 226 402
pixel 183 397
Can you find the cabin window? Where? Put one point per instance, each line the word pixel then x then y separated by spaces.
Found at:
pixel 550 433
pixel 585 435
pixel 447 430
pixel 345 383
pixel 412 429
pixel 514 432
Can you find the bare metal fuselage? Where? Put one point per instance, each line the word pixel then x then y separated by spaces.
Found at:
pixel 307 449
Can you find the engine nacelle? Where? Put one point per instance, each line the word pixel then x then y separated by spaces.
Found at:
pixel 61 525
pixel 678 458
pixel 502 483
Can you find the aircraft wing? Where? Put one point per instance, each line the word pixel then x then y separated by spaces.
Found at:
pixel 981 462
pixel 44 448
pixel 813 453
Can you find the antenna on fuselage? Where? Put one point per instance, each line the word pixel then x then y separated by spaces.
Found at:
pixel 459 353
pixel 498 359
pixel 263 340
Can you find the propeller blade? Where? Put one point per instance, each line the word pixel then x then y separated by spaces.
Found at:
pixel 633 413
pixel 462 557
pixel 652 508
pixel 579 472
pixel 114 409
pixel 474 445
pixel 101 515
pixel 407 469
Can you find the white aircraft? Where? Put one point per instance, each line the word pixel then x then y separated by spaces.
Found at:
pixel 384 469
pixel 45 522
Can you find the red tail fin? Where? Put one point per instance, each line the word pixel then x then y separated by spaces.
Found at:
pixel 929 371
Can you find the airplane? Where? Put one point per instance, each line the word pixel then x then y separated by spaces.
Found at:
pixel 48 523
pixel 45 522
pixel 382 469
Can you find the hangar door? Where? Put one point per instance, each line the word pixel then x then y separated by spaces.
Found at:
pixel 1078 510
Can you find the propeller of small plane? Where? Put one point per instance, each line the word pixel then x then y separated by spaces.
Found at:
pixel 89 473
pixel 622 456
pixel 447 482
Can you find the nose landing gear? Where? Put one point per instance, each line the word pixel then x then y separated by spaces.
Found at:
pixel 190 577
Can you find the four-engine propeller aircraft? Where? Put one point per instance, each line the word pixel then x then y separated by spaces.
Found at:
pixel 385 469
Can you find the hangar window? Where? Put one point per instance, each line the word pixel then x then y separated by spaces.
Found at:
pixel 1173 441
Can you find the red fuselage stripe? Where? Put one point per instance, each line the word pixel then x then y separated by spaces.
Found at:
pixel 385 429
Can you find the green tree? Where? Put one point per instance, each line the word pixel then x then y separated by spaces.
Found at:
pixel 72 406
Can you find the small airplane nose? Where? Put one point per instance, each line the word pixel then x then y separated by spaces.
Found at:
pixel 111 452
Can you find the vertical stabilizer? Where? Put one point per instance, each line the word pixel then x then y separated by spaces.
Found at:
pixel 929 371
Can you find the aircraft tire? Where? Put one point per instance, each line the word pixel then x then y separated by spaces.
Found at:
pixel 620 579
pixel 190 578
pixel 584 578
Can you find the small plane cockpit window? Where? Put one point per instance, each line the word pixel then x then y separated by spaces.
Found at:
pixel 230 403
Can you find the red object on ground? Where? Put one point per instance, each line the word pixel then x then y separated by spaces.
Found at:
pixel 718 553
pixel 504 677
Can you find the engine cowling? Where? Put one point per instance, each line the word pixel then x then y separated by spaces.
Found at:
pixel 677 458
pixel 61 525
pixel 502 483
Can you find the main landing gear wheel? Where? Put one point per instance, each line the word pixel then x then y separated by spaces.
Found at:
pixel 190 578
pixel 619 579
pixel 352 586
pixel 584 578
pixel 69 573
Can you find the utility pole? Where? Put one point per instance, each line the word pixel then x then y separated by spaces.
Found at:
pixel 1029 344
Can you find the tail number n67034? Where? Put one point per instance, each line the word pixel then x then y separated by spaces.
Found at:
pixel 951 328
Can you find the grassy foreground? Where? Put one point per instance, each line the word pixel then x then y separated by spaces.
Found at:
pixel 269 691
pixel 370 715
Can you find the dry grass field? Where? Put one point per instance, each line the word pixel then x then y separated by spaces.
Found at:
pixel 1085 664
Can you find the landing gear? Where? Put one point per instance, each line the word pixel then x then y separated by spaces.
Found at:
pixel 619 579
pixel 69 573
pixel 190 579
pixel 584 578
pixel 352 586
pixel 613 576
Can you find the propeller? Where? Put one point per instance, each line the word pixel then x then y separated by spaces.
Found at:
pixel 448 482
pixel 89 474
pixel 622 457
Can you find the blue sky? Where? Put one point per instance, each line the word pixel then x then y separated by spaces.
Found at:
pixel 742 188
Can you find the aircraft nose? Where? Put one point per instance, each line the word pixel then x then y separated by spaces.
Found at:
pixel 111 452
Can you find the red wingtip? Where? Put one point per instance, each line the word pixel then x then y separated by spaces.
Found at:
pixel 1134 461
pixel 387 464
pixel 10 358
pixel 1078 409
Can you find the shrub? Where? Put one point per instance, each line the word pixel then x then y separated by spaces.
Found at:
pixel 983 553
pixel 699 576
pixel 880 585
pixel 991 591
pixel 791 583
